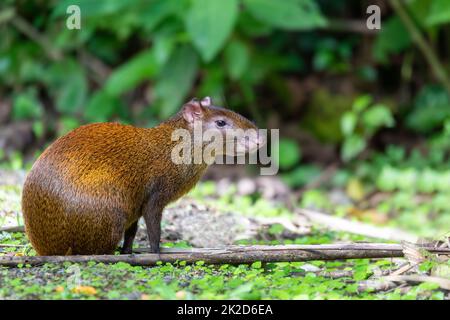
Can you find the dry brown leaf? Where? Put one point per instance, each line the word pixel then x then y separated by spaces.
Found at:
pixel 413 253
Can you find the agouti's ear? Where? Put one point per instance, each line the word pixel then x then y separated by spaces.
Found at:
pixel 206 102
pixel 192 111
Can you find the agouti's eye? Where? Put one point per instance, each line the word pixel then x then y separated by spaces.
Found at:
pixel 221 123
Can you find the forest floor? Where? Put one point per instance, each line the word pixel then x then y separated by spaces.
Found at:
pixel 250 211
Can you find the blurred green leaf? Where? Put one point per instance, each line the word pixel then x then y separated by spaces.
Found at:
pixel 237 58
pixel 102 107
pixel 209 23
pixel 361 103
pixel 67 124
pixel 176 80
pixel 439 12
pixel 68 84
pixel 26 105
pixel 287 14
pixel 393 38
pixel 431 108
pixel 352 146
pixel 378 116
pixel 289 153
pixel 139 68
pixel 301 175
pixel 348 123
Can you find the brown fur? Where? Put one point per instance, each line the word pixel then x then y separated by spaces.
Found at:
pixel 91 186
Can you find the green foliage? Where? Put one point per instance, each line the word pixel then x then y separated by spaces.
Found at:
pixel 439 13
pixel 393 39
pixel 289 154
pixel 360 124
pixel 26 105
pixel 431 109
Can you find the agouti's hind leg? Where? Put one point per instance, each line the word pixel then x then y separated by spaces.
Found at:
pixel 152 217
pixel 129 236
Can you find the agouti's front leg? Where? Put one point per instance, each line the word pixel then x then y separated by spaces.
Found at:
pixel 152 217
pixel 129 236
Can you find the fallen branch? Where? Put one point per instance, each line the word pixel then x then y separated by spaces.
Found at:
pixel 441 282
pixel 356 227
pixel 234 254
pixel 376 285
pixel 13 229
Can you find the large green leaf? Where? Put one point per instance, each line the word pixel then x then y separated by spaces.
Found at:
pixel 142 66
pixel 176 80
pixel 393 38
pixel 209 23
pixel 439 12
pixel 287 14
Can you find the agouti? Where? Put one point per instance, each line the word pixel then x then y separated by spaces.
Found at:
pixel 90 187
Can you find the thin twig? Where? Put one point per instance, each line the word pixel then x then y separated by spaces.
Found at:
pixel 30 31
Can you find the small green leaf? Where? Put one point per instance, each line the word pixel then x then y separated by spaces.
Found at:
pixel 352 147
pixel 361 103
pixel 378 116
pixel 348 123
